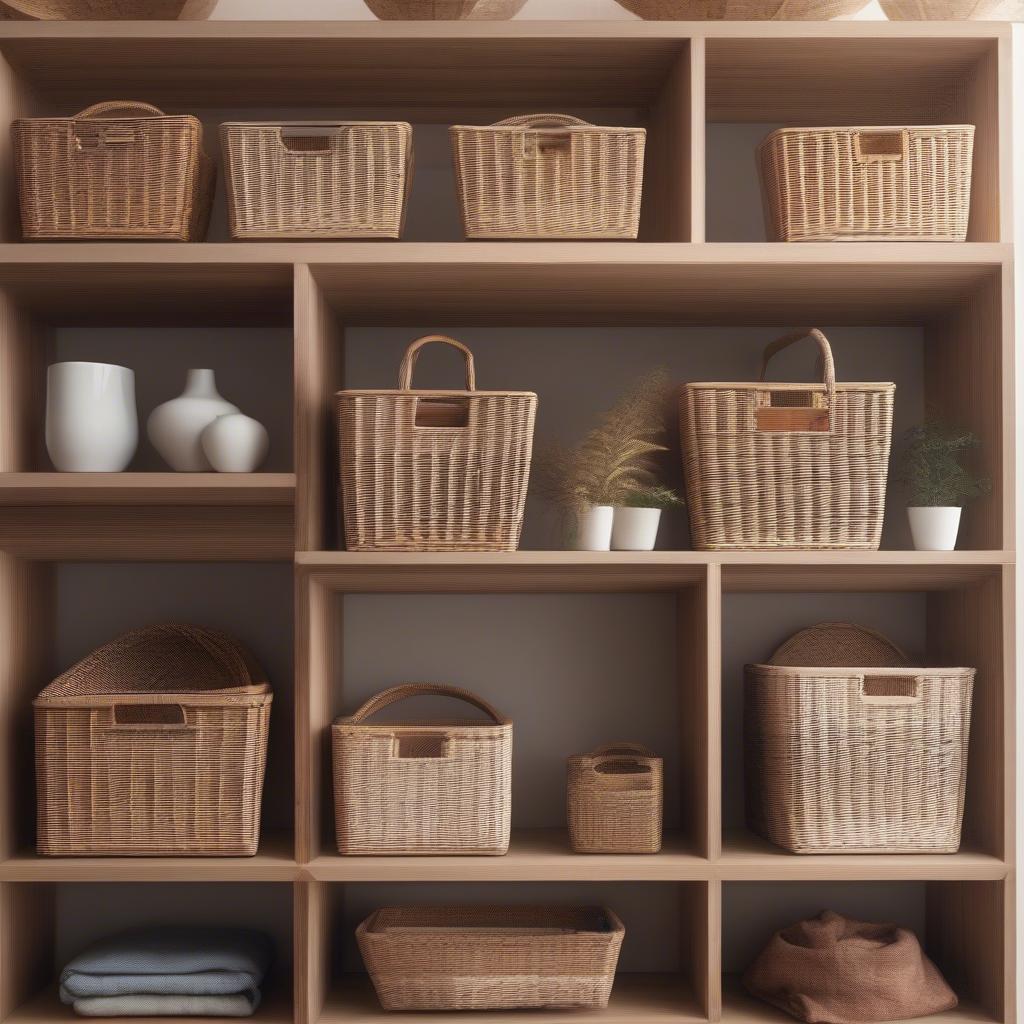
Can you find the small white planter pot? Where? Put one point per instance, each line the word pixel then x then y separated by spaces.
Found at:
pixel 594 529
pixel 635 529
pixel 934 529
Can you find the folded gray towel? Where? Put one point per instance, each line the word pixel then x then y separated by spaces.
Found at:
pixel 166 1006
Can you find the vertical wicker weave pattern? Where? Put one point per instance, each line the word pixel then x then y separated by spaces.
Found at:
pixel 549 176
pixel 155 744
pixel 613 800
pixel 116 170
pixel 445 10
pixel 753 483
pixel 408 484
pixel 741 10
pixel 342 179
pixel 422 788
pixel 849 184
pixel 491 957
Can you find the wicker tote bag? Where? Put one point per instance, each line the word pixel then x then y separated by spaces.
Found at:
pixel 422 787
pixel 154 744
pixel 117 170
pixel 786 466
pixel 434 470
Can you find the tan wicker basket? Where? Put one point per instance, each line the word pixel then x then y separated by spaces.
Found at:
pixel 613 798
pixel 104 10
pixel 742 10
pixel 116 170
pixel 153 745
pixel 831 644
pixel 445 10
pixel 434 470
pixel 953 10
pixel 856 760
pixel 422 787
pixel 549 176
pixel 491 957
pixel 786 466
pixel 317 179
pixel 864 184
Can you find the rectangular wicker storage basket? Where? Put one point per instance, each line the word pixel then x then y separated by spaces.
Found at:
pixel 549 176
pixel 491 957
pixel 422 787
pixel 434 470
pixel 850 184
pixel 786 466
pixel 116 170
pixel 317 179
pixel 855 759
pixel 614 798
pixel 153 745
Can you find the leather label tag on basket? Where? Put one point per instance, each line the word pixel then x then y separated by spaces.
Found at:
pixel 791 419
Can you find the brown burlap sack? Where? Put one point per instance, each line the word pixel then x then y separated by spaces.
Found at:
pixel 834 970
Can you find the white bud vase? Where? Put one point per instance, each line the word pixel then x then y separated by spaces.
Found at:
pixel 594 528
pixel 175 428
pixel 934 528
pixel 235 443
pixel 91 422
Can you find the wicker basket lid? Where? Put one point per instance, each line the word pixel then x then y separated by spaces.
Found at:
pixel 839 645
pixel 167 658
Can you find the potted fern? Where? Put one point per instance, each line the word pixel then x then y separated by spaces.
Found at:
pixel 939 483
pixel 638 516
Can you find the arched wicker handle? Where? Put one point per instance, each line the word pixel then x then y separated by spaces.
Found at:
pixel 543 121
pixel 412 353
pixel 827 363
pixel 396 693
pixel 128 108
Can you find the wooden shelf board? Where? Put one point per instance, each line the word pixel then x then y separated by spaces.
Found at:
pixel 534 855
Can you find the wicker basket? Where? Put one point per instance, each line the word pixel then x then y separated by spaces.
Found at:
pixel 953 10
pixel 863 184
pixel 742 10
pixel 549 176
pixel 491 958
pixel 317 179
pixel 104 10
pixel 786 466
pixel 613 798
pixel 116 170
pixel 422 787
pixel 445 10
pixel 154 744
pixel 856 760
pixel 434 470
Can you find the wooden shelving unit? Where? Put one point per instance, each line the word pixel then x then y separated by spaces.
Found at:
pixel 676 79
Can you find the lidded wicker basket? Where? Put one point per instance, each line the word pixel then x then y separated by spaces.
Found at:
pixel 786 466
pixel 422 787
pixel 614 800
pixel 741 10
pixel 434 470
pixel 491 957
pixel 864 184
pixel 154 744
pixel 117 170
pixel 317 179
pixel 549 176
pixel 864 759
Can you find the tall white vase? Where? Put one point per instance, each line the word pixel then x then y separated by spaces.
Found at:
pixel 176 427
pixel 91 422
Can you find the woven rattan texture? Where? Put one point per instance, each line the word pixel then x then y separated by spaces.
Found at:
pixel 549 176
pixel 445 10
pixel 742 10
pixel 755 484
pixel 117 170
pixel 422 787
pixel 349 179
pixel 614 800
pixel 155 744
pixel 491 957
pixel 839 643
pixel 953 10
pixel 105 10
pixel 850 184
pixel 409 482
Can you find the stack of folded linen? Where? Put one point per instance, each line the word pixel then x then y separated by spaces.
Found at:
pixel 169 972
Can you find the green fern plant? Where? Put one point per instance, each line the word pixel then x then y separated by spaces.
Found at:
pixel 932 469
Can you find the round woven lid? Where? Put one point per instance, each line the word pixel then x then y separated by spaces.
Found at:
pixel 839 645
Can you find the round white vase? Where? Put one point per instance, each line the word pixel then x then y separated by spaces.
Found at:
pixel 935 528
pixel 635 529
pixel 594 528
pixel 176 427
pixel 235 443
pixel 91 422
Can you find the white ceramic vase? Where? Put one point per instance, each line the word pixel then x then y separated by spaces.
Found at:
pixel 176 427
pixel 235 443
pixel 594 528
pixel 935 528
pixel 91 422
pixel 635 529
